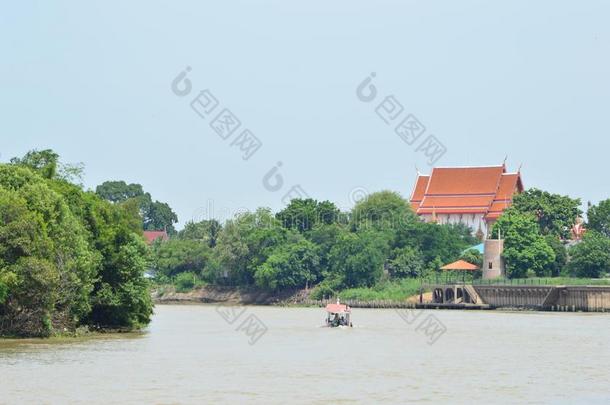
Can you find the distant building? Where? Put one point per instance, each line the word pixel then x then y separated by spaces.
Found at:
pixel 473 196
pixel 151 236
pixel 578 229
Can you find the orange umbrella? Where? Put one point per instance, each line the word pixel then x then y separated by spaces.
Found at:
pixel 460 265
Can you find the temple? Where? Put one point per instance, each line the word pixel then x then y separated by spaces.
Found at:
pixel 473 196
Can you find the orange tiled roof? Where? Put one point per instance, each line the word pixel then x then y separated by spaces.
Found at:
pixel 420 188
pixel 151 236
pixel 465 190
pixel 509 182
pixel 460 265
pixel 496 208
pixel 466 180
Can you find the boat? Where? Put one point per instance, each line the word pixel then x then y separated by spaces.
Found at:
pixel 338 315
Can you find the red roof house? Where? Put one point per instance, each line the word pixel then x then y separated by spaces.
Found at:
pixel 474 196
pixel 151 236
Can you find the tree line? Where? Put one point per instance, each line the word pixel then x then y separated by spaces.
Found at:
pixel 312 243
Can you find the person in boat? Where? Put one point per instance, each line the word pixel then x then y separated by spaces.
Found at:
pixel 335 321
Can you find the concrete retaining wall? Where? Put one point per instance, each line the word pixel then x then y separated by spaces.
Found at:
pixel 585 298
pixel 578 298
pixel 513 296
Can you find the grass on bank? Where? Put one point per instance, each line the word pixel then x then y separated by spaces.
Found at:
pixel 186 282
pixel 397 290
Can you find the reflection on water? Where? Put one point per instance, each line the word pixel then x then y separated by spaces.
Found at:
pixel 191 354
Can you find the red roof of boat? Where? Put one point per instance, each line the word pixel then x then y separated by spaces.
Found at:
pixel 337 308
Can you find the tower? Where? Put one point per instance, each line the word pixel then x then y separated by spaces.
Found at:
pixel 493 263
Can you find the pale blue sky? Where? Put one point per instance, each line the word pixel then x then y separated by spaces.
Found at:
pixel 92 80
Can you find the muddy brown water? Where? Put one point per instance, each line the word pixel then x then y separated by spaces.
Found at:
pixel 200 354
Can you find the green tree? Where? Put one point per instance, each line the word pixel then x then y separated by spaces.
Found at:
pixel 46 266
pixel 327 213
pixel 245 243
pixel 45 162
pixel 472 256
pixel 120 296
pixel 554 213
pixel 434 266
pixel 4 283
pixel 231 256
pixel 357 259
pixel 186 281
pixel 304 214
pixel 442 242
pixel 325 237
pixel 591 257
pixel 118 191
pixel 206 231
pixel 382 210
pixel 179 256
pixel 67 257
pixel 525 249
pixel 407 262
pixel 156 215
pixel 291 265
pixel 557 267
pixel 599 217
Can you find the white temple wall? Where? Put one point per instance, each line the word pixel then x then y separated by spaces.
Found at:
pixel 473 221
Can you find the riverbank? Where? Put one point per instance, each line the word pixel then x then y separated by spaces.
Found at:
pixel 406 294
pixel 167 294
pixel 399 292
pixel 82 332
pixel 235 296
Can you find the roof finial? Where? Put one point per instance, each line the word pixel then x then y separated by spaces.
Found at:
pixel 504 162
pixel 417 170
pixel 519 169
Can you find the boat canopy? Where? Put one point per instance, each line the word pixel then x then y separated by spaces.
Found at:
pixel 337 308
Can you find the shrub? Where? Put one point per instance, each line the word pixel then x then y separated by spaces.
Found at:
pixel 185 282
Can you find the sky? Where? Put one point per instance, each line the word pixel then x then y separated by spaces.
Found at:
pixel 94 81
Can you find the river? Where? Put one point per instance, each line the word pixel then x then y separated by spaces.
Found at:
pixel 268 355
